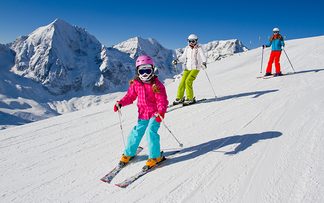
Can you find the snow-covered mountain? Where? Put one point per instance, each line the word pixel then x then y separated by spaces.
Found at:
pixel 60 56
pixel 21 100
pixel 7 58
pixel 59 68
pixel 162 57
pixel 260 141
pixel 117 68
pixel 216 50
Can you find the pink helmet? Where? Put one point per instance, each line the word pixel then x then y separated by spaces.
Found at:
pixel 143 60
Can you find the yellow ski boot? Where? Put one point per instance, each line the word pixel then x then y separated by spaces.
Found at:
pixel 152 162
pixel 124 160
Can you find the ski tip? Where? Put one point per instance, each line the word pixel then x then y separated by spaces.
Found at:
pixel 121 185
pixel 105 180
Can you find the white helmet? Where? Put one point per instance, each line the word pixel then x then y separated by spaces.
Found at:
pixel 192 37
pixel 275 29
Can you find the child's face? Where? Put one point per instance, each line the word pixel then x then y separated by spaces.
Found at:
pixel 145 72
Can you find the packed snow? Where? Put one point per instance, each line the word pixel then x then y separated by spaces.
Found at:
pixel 260 141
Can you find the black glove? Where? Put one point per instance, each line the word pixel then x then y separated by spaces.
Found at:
pixel 204 65
pixel 175 62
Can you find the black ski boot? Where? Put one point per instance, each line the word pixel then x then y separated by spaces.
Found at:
pixel 278 74
pixel 178 101
pixel 189 101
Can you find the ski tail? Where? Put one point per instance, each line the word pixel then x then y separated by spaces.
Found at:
pixel 141 173
pixel 112 174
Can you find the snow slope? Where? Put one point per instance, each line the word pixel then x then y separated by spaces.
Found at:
pixel 261 141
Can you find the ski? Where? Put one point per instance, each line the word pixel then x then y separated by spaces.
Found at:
pixel 265 76
pixel 182 105
pixel 279 76
pixel 172 105
pixel 143 171
pixel 273 76
pixel 110 176
pixel 197 101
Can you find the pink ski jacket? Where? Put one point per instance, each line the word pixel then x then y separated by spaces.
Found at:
pixel 151 98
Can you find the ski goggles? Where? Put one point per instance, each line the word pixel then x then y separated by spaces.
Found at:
pixel 192 41
pixel 276 32
pixel 145 69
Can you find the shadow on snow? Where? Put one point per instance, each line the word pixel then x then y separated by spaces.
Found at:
pixel 244 141
pixel 307 71
pixel 255 94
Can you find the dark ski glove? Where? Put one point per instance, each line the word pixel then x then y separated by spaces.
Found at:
pixel 204 65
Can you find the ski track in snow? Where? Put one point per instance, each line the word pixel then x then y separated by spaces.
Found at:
pixel 261 141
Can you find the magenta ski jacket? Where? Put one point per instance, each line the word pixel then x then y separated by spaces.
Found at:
pixel 151 98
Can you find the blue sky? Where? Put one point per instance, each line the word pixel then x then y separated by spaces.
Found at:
pixel 169 22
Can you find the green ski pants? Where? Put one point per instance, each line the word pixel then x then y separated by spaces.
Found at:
pixel 186 84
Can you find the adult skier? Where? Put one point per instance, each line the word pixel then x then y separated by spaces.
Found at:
pixel 276 42
pixel 152 104
pixel 194 60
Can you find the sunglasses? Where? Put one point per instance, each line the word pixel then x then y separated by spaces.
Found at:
pixel 192 41
pixel 275 32
pixel 145 69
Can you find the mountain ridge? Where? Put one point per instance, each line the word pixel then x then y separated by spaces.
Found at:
pixel 62 68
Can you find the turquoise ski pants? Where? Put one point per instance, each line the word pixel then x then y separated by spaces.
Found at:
pixel 150 128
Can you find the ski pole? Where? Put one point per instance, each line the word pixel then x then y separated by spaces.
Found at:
pixel 174 55
pixel 289 60
pixel 180 144
pixel 175 68
pixel 210 83
pixel 262 59
pixel 121 125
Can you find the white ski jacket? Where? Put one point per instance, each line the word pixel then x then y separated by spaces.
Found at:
pixel 193 58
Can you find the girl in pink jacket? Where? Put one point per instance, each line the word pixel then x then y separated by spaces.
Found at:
pixel 152 104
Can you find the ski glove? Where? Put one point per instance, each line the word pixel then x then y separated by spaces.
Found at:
pixel 204 65
pixel 117 106
pixel 158 118
pixel 174 62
